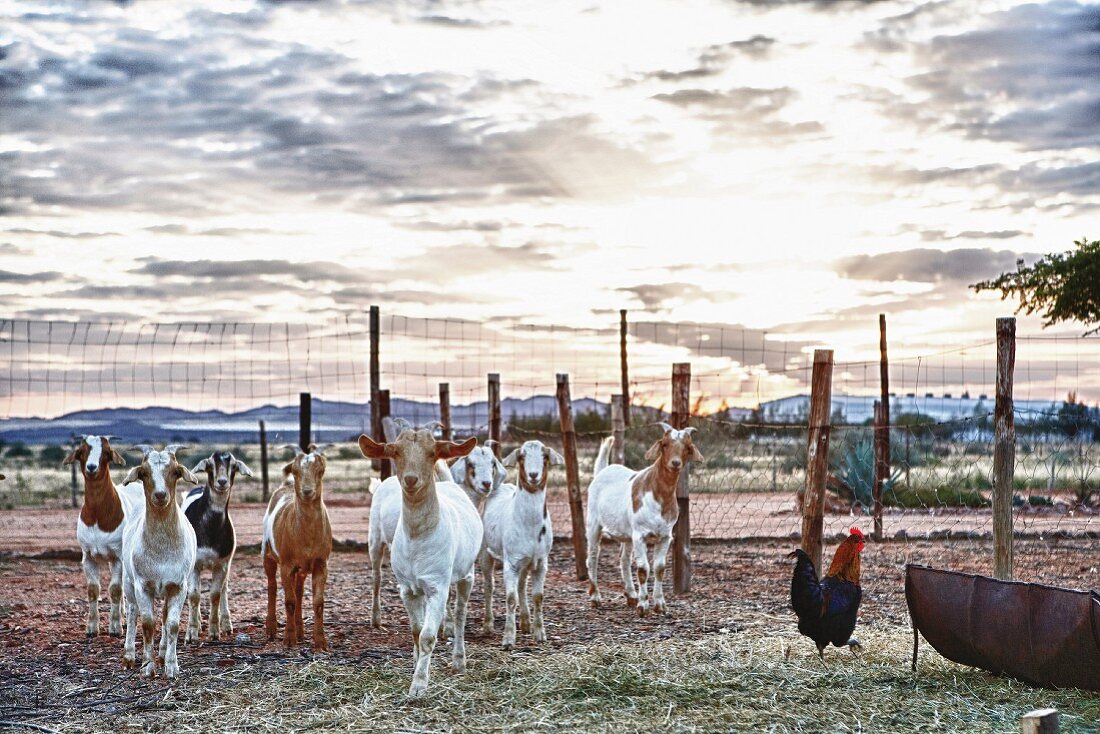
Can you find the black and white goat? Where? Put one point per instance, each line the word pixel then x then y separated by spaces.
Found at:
pixel 207 509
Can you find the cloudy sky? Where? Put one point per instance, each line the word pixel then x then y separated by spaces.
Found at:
pixel 794 166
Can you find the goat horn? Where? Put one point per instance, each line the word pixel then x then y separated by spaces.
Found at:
pixel 293 447
pixel 688 431
pixel 432 425
pixel 403 424
pixel 144 448
pixel 666 427
pixel 319 448
pixel 174 448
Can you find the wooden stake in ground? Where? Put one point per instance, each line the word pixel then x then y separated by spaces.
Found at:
pixel 263 460
pixel 622 367
pixel 494 411
pixel 572 475
pixel 817 455
pixel 681 532
pixel 1004 450
pixel 305 409
pixel 1040 721
pixel 445 409
pixel 882 435
pixel 375 381
pixel 388 467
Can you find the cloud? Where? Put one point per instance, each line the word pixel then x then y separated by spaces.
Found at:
pixel 744 112
pixel 936 235
pixel 244 269
pixel 923 265
pixel 7 276
pixel 485 225
pixel 658 296
pixel 60 234
pixel 714 59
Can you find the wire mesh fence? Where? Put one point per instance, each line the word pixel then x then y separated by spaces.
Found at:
pixel 208 384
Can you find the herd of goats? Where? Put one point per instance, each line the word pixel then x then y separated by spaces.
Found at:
pixel 447 508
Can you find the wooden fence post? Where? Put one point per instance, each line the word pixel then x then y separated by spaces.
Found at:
pixel 572 475
pixel 622 367
pixel 681 532
pixel 882 432
pixel 1040 721
pixel 305 410
pixel 817 455
pixel 375 382
pixel 1004 450
pixel 263 461
pixel 494 411
pixel 618 430
pixel 72 475
pixel 445 409
pixel 877 437
pixel 388 467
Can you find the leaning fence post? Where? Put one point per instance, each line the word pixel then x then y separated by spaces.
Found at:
pixel 572 475
pixel 618 430
pixel 494 411
pixel 817 455
pixel 445 409
pixel 879 447
pixel 263 460
pixel 681 532
pixel 1004 450
pixel 305 407
pixel 388 468
pixel 72 475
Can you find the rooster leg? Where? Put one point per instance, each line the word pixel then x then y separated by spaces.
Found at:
pixel 821 656
pixel 855 647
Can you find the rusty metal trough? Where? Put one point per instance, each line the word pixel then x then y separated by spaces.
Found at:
pixel 1043 635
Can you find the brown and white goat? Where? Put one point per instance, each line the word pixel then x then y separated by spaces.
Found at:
pixel 158 555
pixel 636 508
pixel 100 526
pixel 297 543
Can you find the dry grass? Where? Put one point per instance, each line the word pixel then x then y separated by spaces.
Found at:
pixel 759 677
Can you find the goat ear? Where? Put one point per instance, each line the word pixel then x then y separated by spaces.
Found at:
pixel 70 459
pixel 510 459
pixel 117 458
pixel 205 465
pixel 653 452
pixel 695 455
pixel 556 459
pixel 500 473
pixel 372 449
pixel 187 476
pixel 242 468
pixel 288 469
pixel 451 450
pixel 133 475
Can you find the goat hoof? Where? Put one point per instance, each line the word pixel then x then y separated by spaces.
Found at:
pixel 632 601
pixel 127 662
pixel 149 670
pixel 458 666
pixel 418 689
pixel 171 670
pixel 643 610
pixel 507 645
pixel 320 645
pixel 595 603
pixel 659 608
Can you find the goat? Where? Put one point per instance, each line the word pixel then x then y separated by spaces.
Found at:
pixel 101 525
pixel 479 473
pixel 207 509
pixel 158 555
pixel 637 507
pixel 435 544
pixel 519 535
pixel 297 542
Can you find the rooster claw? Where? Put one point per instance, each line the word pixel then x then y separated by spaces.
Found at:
pixel 855 646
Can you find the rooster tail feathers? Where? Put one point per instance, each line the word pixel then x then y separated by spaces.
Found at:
pixel 806 596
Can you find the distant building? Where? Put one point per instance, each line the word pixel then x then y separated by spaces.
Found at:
pixel 855 409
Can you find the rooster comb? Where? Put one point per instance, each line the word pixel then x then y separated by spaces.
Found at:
pixel 856 532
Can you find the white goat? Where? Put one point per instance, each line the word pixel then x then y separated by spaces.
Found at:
pixel 635 508
pixel 435 544
pixel 101 525
pixel 518 536
pixel 158 555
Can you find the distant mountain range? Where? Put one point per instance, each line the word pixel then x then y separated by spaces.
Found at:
pixel 332 421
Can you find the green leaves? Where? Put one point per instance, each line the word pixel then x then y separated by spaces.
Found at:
pixel 1064 286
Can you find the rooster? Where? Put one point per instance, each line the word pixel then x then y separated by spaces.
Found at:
pixel 827 608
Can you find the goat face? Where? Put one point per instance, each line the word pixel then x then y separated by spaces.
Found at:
pixel 308 473
pixel 484 472
pixel 221 469
pixel 415 452
pixel 673 450
pixel 533 461
pixel 158 473
pixel 94 454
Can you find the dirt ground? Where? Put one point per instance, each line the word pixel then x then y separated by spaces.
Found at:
pixel 49 671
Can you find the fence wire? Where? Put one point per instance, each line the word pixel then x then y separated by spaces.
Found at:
pixel 212 382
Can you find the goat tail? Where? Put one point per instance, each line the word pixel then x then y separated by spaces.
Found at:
pixel 442 471
pixel 603 458
pixel 374 484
